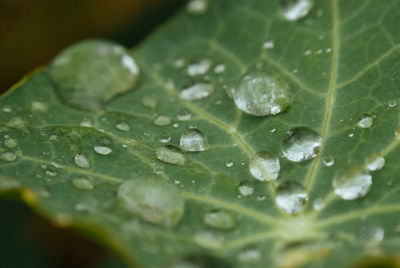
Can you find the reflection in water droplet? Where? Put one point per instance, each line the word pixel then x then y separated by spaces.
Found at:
pixel 92 72
pixel 246 189
pixel 352 183
pixel 366 121
pixel 8 156
pixel 171 154
pixel 290 197
pixel 197 7
pixel 209 240
pixel 295 9
pixel 123 125
pixel 376 163
pixel 219 219
pixel 82 183
pixel 261 94
pixel 264 167
pixel 162 120
pixel 301 144
pixel 249 255
pixel 328 161
pixel 164 137
pixel 184 115
pixel 81 161
pixel 193 140
pixel 199 68
pixel 152 199
pixel 197 91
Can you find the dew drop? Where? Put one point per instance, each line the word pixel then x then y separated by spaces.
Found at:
pixel 92 72
pixel 81 161
pixel 82 183
pixel 8 156
pixel 53 137
pixel 193 140
pixel 10 142
pixel 392 103
pixel 328 161
pixel 164 137
pixel 103 150
pixel 219 219
pixel 376 163
pixel 372 235
pixel 301 144
pixel 366 121
pixel 197 91
pixel 264 167
pixel 18 123
pixel 352 183
pixel 261 94
pixel 229 164
pixel 249 255
pixel 162 120
pixel 318 204
pixel 197 7
pixel 219 68
pixel 184 115
pixel 123 126
pixel 199 68
pixel 149 102
pixel 290 197
pixel 153 200
pixel 171 154
pixel 295 9
pixel 86 123
pixel 38 106
pixel 246 189
pixel 209 240
pixel 268 44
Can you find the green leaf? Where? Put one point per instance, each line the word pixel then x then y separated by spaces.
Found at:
pixel 323 190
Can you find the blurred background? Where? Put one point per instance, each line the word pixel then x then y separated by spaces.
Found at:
pixel 32 32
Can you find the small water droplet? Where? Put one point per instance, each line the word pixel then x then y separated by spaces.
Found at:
pixel 261 94
pixel 307 52
pixel 7 109
pixel 246 189
pixel 77 69
pixel 318 204
pixel 164 137
pixel 352 183
pixel 376 163
pixel 82 183
pixel 219 219
pixel 249 255
pixel 295 9
pixel 197 91
pixel 18 123
pixel 103 146
pixel 175 125
pixel 193 140
pixel 38 106
pixel 81 161
pixel 162 120
pixel 351 135
pixel 219 68
pixel 86 123
pixel 184 115
pixel 152 199
pixel 371 235
pixel 209 240
pixel 123 126
pixel 199 68
pixel 8 156
pixel 328 161
pixel 290 197
pixel 264 167
pixel 261 198
pixel 392 103
pixel 10 142
pixel 197 7
pixel 149 102
pixel 268 44
pixel 301 144
pixel 229 164
pixel 171 154
pixel 366 121
pixel 53 137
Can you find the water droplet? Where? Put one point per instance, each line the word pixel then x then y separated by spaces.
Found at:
pixel 249 255
pixel 175 125
pixel 162 120
pixel 18 123
pixel 229 164
pixel 10 142
pixel 268 44
pixel 366 121
pixel 372 235
pixel 219 68
pixel 290 197
pixel 7 109
pixel 82 183
pixel 318 204
pixel 301 144
pixel 184 115
pixel 246 189
pixel 86 123
pixel 328 161
pixel 38 106
pixel 8 156
pixel 81 161
pixel 154 200
pixel 149 102
pixel 261 198
pixel 376 163
pixel 351 135
pixel 171 154
pixel 123 125
pixel 209 240
pixel 264 167
pixel 295 9
pixel 78 68
pixel 199 68
pixel 193 140
pixel 197 7
pixel 392 103
pixel 164 137
pixel 352 183
pixel 53 137
pixel 260 94
pixel 197 91
pixel 219 219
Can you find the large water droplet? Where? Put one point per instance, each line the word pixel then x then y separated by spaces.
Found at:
pixel 92 72
pixel 376 163
pixel 301 144
pixel 264 167
pixel 352 183
pixel 103 146
pixel 261 94
pixel 171 154
pixel 219 219
pixel 162 120
pixel 199 68
pixel 295 9
pixel 154 200
pixel 197 91
pixel 366 121
pixel 209 240
pixel 193 140
pixel 290 197
pixel 82 183
pixel 81 161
